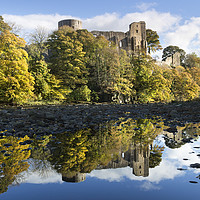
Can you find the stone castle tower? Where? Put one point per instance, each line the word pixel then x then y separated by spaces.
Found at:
pixel 134 40
pixel 74 23
pixel 136 37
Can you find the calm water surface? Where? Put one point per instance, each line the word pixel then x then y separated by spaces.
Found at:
pixel 124 159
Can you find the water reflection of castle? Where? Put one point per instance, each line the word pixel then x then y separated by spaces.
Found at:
pixel 74 178
pixel 137 157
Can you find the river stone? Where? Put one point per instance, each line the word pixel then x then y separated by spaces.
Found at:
pixel 193 182
pixel 196 165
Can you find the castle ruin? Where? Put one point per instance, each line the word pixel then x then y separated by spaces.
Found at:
pixel 132 41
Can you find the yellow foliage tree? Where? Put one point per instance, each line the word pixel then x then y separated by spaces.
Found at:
pixel 16 83
pixel 12 159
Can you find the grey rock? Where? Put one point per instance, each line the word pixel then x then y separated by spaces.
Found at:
pixel 195 165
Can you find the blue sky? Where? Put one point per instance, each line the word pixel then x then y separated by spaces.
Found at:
pixel 176 21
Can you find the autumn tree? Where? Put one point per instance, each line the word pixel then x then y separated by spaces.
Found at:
pixel 183 86
pixel 67 59
pixel 153 43
pixel 4 26
pixel 13 160
pixel 16 83
pixel 149 85
pixel 192 60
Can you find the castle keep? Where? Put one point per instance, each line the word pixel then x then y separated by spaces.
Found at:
pixel 133 40
pixel 74 23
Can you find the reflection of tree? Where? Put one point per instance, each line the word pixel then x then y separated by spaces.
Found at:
pixel 181 135
pixel 146 130
pixel 83 151
pixel 74 154
pixel 136 136
pixel 69 151
pixel 155 156
pixel 12 158
pixel 40 154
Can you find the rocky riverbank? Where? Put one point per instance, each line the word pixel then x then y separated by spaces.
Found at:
pixel 42 120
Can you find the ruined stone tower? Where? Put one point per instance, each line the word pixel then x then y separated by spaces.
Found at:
pixel 134 40
pixel 137 37
pixel 74 23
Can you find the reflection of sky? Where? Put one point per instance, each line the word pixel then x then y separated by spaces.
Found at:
pixel 164 182
pixel 167 170
pixel 41 176
pixel 36 178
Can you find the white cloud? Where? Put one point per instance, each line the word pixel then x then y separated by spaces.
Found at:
pixel 186 36
pixel 107 21
pixel 145 6
pixel 172 29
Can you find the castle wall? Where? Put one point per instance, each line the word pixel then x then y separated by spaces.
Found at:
pixel 116 37
pixel 134 40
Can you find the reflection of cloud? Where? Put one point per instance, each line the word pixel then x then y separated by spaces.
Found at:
pixel 167 170
pixel 185 151
pixel 111 174
pixel 35 177
pixel 149 186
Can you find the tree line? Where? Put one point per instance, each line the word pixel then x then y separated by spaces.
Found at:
pixel 75 66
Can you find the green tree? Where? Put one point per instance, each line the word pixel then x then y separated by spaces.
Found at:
pixel 149 84
pixel 46 86
pixel 153 43
pixel 192 60
pixel 67 59
pixel 183 86
pixel 123 81
pixel 171 50
pixel 16 83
